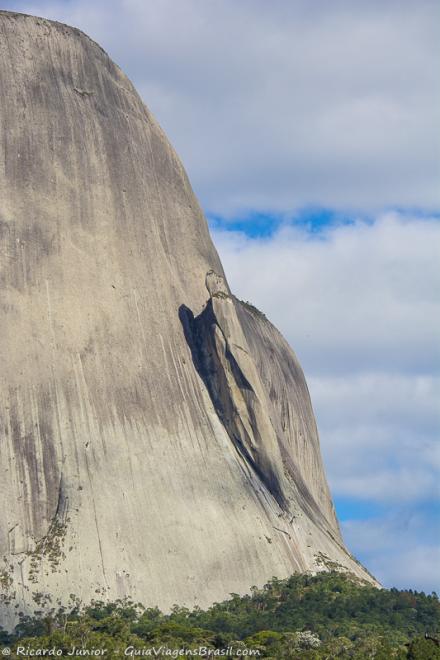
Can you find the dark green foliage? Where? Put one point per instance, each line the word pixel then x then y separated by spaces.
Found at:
pixel 423 649
pixel 251 308
pixel 327 616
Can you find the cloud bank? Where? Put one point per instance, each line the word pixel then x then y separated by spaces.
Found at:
pixel 279 105
pixel 360 304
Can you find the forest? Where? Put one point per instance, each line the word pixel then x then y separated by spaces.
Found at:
pixel 328 615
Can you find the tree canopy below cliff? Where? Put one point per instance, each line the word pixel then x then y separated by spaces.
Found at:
pixel 323 616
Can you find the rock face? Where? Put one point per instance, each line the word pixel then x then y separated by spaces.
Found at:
pixel 157 438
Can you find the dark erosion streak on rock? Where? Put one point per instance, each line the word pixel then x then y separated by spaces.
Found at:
pixel 199 336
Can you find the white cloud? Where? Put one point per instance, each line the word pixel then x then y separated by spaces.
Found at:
pixel 281 104
pixel 361 297
pixel 411 567
pixel 360 305
pixel 401 550
pixel 380 435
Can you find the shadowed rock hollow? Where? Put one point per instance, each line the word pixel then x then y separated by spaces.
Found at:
pixel 157 438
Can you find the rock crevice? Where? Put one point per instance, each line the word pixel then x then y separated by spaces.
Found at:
pixel 221 357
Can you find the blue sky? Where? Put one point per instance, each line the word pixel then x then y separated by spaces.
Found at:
pixel 310 132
